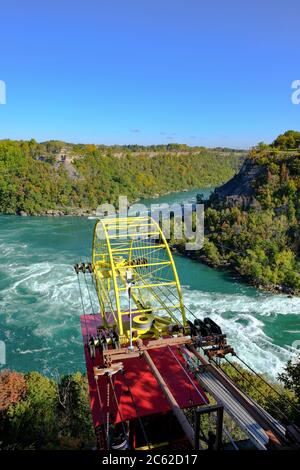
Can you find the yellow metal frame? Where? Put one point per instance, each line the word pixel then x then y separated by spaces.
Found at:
pixel 109 264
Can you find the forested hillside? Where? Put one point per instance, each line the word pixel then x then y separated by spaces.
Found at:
pixel 252 222
pixel 39 177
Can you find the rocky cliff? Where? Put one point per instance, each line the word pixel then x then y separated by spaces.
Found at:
pixel 240 190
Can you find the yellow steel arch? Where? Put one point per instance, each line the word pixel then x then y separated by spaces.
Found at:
pixel 136 244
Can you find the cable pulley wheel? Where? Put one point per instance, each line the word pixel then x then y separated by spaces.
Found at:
pixel 143 321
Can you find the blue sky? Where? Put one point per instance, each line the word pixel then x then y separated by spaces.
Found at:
pixel 147 71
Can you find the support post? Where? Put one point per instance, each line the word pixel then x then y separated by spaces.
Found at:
pixel 219 428
pixel 197 430
pixel 219 409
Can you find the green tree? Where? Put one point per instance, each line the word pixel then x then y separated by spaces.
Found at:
pixel 74 407
pixel 32 420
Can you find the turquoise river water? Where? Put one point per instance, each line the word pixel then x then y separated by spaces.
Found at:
pixel 40 303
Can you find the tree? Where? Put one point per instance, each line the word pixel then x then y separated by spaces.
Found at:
pixel 291 377
pixel 212 252
pixel 32 180
pixel 36 412
pixel 33 419
pixel 289 140
pixel 74 409
pixel 12 388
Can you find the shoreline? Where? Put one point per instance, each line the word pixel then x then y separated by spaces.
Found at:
pixel 202 259
pixel 88 212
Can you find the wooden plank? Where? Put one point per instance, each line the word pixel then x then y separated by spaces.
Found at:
pixel 129 355
pixel 153 344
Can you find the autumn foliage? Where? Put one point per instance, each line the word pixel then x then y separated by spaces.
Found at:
pixel 12 388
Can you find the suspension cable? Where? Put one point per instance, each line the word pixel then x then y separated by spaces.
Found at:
pixel 224 427
pixel 257 389
pixel 248 380
pixel 215 419
pixel 269 385
pixel 90 297
pixel 118 408
pixel 136 410
pixel 83 308
pixel 102 411
pixel 187 308
pixel 107 415
pixel 250 368
pixel 191 381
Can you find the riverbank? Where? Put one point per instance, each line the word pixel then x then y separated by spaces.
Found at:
pixel 228 267
pixel 88 212
pixel 182 196
pixel 57 213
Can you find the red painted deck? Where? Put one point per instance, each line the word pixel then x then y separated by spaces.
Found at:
pixel 146 396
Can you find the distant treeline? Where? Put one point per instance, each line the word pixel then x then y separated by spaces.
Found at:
pixel 52 146
pixel 36 177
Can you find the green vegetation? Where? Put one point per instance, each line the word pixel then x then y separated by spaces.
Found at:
pixel 254 229
pixel 281 400
pixel 39 413
pixel 290 140
pixel 36 177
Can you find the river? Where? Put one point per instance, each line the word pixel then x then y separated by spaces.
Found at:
pixel 40 302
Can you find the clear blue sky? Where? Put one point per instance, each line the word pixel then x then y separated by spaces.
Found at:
pixel 148 71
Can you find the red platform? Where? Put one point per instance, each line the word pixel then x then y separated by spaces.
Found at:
pixel 143 396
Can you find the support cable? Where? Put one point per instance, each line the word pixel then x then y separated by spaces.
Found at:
pixel 118 408
pixel 91 302
pixel 257 389
pixel 270 386
pixel 83 308
pixel 186 373
pixel 252 370
pixel 224 427
pixel 106 427
pixel 136 410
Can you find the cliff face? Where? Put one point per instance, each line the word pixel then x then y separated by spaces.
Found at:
pixel 259 239
pixel 240 190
